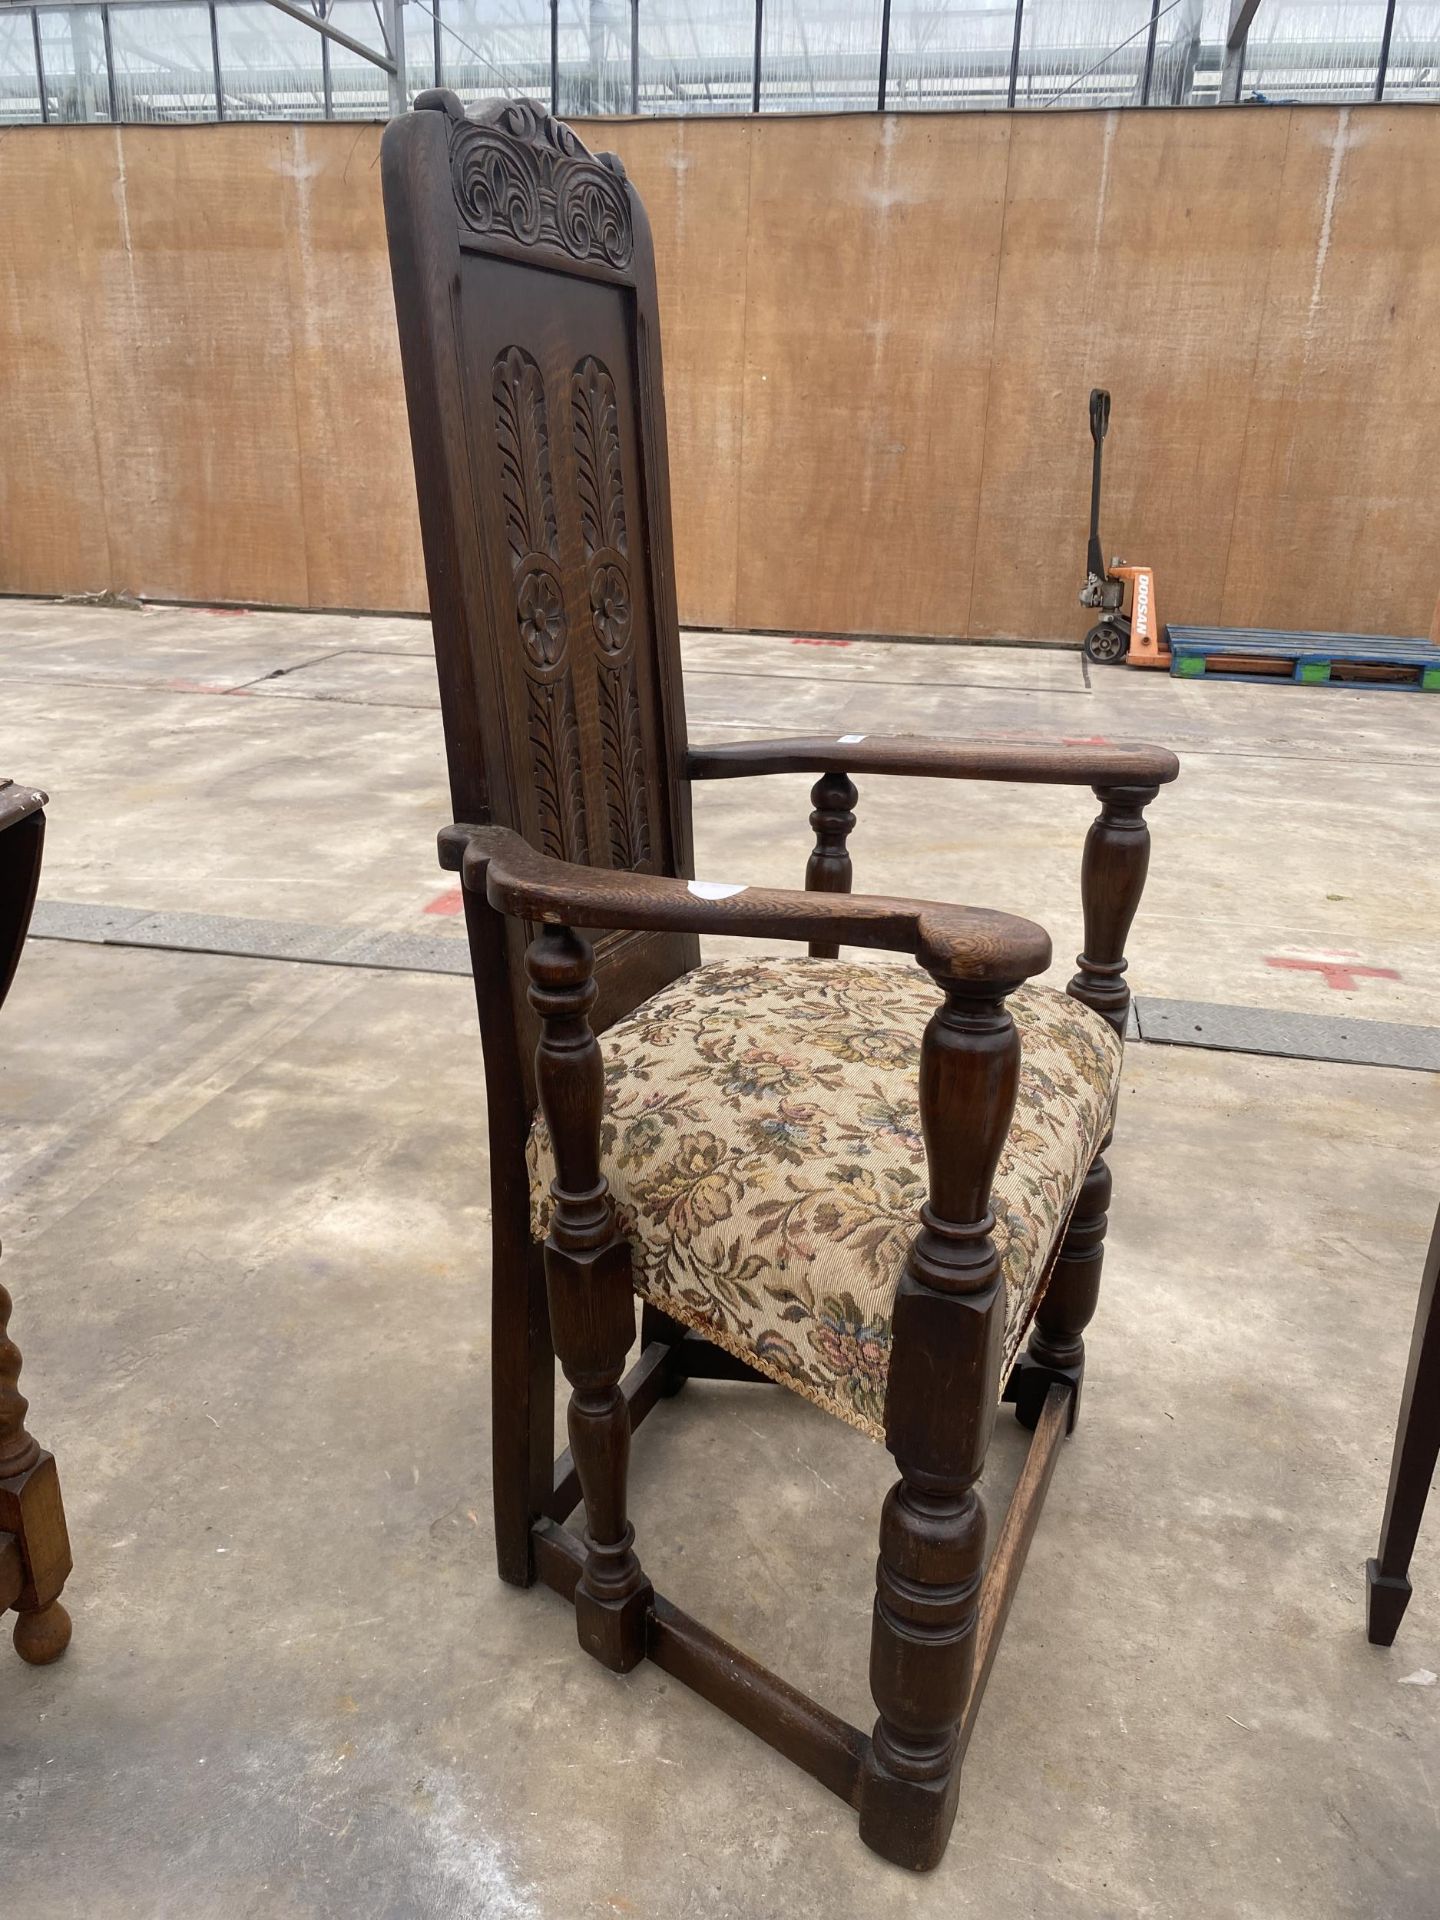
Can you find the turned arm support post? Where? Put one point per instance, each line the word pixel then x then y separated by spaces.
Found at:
pixel 1117 853
pixel 1112 879
pixel 946 1344
pixel 1124 778
pixel 829 869
pixel 588 1284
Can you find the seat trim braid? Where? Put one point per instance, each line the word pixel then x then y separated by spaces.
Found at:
pixel 732 1344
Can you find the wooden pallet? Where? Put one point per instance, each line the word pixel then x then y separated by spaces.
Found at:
pixel 1309 659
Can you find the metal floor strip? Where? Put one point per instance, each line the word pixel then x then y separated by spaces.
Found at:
pixel 1174 1023
pixel 241 939
pixel 1288 1036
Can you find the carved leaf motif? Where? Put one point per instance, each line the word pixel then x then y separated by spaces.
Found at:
pixel 600 482
pixel 559 787
pixel 592 213
pixel 624 758
pixel 523 428
pixel 596 418
pixel 522 425
pixel 519 174
pixel 497 185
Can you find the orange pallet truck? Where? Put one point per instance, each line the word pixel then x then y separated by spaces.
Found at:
pixel 1135 636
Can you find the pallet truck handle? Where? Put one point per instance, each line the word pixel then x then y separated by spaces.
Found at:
pixel 1099 427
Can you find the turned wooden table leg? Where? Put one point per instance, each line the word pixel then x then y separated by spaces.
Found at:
pixel 1417 1448
pixel 30 1510
pixel 829 868
pixel 592 1308
pixel 1112 879
pixel 940 1409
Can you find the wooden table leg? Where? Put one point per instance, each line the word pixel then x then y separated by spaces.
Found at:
pixel 32 1518
pixel 1417 1446
pixel 34 1546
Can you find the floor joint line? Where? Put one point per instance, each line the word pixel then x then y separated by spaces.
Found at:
pixel 1210 1026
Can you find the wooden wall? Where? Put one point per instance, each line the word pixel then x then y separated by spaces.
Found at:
pixel 880 332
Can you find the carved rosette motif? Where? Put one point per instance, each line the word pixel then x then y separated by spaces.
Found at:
pixel 595 418
pixel 527 488
pixel 521 175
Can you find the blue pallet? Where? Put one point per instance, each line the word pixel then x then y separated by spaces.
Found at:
pixel 1310 656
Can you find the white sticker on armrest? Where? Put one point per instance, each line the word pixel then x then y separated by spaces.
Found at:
pixel 712 889
pixel 850 739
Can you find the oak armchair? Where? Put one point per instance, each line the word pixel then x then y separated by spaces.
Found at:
pixel 861 1180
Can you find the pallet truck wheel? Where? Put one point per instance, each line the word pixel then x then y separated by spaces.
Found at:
pixel 1107 646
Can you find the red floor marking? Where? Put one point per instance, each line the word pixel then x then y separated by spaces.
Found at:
pixel 814 640
pixel 1341 971
pixel 451 902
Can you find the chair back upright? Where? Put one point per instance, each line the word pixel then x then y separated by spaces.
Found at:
pixel 524 283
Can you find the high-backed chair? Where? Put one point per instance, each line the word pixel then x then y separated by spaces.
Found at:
pixel 862 1181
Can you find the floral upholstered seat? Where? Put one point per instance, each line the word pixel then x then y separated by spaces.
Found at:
pixel 762 1142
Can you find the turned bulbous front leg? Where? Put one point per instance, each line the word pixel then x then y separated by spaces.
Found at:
pixel 30 1510
pixel 829 868
pixel 588 1285
pixel 946 1339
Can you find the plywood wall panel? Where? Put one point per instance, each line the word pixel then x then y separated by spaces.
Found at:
pixel 694 178
pixel 361 523
pixel 1137 248
pixel 873 255
pixel 52 515
pixel 1338 514
pixel 879 335
pixel 185 297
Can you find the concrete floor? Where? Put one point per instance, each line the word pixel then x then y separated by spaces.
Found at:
pixel 244 1207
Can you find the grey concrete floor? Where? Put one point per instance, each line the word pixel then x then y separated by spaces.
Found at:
pixel 244 1206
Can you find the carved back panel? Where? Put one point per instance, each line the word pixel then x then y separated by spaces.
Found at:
pixel 525 292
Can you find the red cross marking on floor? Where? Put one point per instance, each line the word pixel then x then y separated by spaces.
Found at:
pixel 450 902
pixel 1340 970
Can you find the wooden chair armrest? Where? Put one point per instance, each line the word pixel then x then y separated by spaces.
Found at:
pixel 1081 763
pixel 958 943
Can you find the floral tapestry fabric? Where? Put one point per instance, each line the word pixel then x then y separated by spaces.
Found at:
pixel 761 1137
